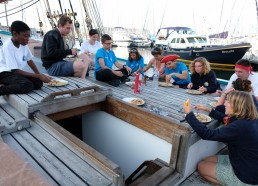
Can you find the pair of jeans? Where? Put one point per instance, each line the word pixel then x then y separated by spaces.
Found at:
pixel 18 84
pixel 107 75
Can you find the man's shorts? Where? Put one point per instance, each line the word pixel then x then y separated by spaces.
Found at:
pixel 61 68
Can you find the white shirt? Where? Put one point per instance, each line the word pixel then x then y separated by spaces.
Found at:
pixel 252 77
pixel 13 57
pixel 3 67
pixel 92 49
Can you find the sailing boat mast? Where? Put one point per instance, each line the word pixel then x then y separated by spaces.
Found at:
pixel 76 24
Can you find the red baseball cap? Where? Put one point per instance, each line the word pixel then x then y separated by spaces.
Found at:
pixel 168 58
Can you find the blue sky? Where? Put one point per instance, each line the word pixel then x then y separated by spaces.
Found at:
pixel 209 16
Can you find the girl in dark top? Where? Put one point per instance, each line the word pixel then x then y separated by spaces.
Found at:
pixel 202 77
pixel 240 166
pixel 238 84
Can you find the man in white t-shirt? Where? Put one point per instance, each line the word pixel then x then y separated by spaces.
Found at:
pixel 243 70
pixel 91 46
pixel 14 56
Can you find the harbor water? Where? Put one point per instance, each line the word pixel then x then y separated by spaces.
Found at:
pixel 123 52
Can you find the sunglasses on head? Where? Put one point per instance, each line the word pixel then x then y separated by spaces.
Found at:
pixel 133 50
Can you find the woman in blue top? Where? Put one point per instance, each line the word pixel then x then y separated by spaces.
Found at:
pixel 135 62
pixel 105 59
pixel 240 166
pixel 176 72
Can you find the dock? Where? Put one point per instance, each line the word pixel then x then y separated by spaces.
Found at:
pixel 61 158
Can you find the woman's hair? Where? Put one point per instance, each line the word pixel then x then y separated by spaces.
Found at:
pixel 156 50
pixel 242 85
pixel 135 51
pixel 204 62
pixel 242 104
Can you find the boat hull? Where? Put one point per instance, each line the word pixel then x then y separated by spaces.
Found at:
pixel 222 58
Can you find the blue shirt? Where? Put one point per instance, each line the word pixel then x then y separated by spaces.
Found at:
pixel 135 64
pixel 109 58
pixel 180 67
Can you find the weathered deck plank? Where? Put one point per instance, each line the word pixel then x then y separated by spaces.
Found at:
pixel 53 159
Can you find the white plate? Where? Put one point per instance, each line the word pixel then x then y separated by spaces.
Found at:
pixel 135 101
pixel 130 84
pixel 216 98
pixel 164 84
pixel 203 117
pixel 57 83
pixel 191 91
pixel 213 104
pixel 69 59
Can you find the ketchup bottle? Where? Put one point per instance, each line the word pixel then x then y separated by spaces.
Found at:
pixel 137 84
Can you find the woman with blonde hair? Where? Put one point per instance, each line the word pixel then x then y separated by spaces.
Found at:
pixel 240 166
pixel 202 77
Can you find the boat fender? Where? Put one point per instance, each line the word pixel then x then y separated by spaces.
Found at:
pixel 191 53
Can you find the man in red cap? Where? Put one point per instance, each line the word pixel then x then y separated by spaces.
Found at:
pixel 243 70
pixel 176 72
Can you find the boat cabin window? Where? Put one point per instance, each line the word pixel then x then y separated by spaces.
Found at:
pixel 182 40
pixel 174 40
pixel 191 40
pixel 201 39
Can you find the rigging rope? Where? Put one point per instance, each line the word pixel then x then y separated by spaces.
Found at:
pixel 17 7
pixel 20 10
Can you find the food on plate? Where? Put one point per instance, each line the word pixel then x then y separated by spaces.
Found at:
pixel 57 83
pixel 187 102
pixel 165 84
pixel 191 91
pixel 137 101
pixel 202 117
pixel 213 104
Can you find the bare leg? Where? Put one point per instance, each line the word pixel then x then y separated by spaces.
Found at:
pixel 81 66
pixel 207 169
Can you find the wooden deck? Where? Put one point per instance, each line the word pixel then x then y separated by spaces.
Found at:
pixel 54 152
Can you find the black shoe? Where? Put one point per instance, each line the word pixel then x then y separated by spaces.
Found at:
pixel 115 82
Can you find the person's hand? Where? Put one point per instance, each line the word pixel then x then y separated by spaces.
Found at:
pixel 187 107
pixel 74 51
pixel 202 89
pixel 129 70
pixel 219 92
pixel 45 78
pixel 190 85
pixel 117 73
pixel 202 107
pixel 230 89
pixel 168 78
pixel 86 52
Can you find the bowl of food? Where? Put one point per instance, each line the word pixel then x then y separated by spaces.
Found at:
pixel 203 117
pixel 134 101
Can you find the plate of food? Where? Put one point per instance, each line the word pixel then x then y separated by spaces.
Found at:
pixel 57 83
pixel 191 91
pixel 69 59
pixel 202 117
pixel 165 84
pixel 134 101
pixel 130 84
pixel 213 104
